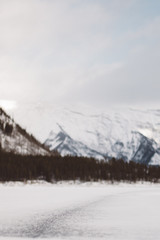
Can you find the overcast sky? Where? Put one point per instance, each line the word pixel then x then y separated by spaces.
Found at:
pixel 95 52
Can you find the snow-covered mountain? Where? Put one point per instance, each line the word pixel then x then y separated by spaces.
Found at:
pixel 80 130
pixel 140 149
pixel 65 145
pixel 131 135
pixel 15 139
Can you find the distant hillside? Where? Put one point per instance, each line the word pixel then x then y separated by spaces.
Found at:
pixel 13 138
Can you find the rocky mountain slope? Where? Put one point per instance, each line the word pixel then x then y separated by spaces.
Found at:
pixel 139 149
pixel 133 135
pixel 66 145
pixel 15 139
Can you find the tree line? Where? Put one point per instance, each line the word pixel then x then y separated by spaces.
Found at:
pixel 56 168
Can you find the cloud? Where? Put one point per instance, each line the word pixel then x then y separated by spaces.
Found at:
pixel 44 42
pixel 131 82
pixel 74 50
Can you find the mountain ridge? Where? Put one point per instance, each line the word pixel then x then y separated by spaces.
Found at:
pixel 109 135
pixel 13 138
pixel 114 132
pixel 65 145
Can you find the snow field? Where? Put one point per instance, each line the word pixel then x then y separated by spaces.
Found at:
pixel 79 211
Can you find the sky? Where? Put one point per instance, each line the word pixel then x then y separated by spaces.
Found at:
pixel 96 52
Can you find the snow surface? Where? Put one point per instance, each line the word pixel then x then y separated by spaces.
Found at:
pixel 80 211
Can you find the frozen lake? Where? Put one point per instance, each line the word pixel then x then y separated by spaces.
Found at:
pixel 81 211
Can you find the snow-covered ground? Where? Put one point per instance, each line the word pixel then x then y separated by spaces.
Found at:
pixel 80 211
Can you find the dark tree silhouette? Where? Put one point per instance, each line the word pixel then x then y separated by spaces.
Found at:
pixel 54 168
pixel 8 129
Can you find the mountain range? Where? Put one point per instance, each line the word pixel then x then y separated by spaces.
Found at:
pixel 127 133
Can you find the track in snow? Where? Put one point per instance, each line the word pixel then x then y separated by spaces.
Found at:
pixel 123 215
